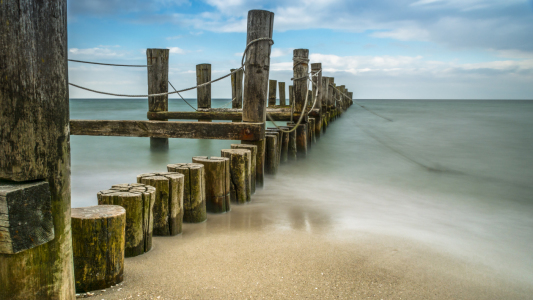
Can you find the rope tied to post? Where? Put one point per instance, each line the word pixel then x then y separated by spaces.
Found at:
pixel 103 64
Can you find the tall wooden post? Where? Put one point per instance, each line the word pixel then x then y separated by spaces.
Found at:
pixel 203 75
pixel 236 88
pixel 157 60
pixel 325 91
pixel 342 98
pixel 301 68
pixel 260 25
pixel 331 99
pixel 272 92
pixel 281 86
pixel 35 140
pixel 291 95
pixel 317 86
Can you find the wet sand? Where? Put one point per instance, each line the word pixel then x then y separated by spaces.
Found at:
pixel 276 248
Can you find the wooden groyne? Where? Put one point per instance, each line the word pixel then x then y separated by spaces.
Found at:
pixel 35 152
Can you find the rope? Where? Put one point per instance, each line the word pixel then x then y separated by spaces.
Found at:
pixel 248 46
pixel 96 63
pixel 182 97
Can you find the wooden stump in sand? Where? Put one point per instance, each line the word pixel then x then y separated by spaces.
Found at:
pixel 271 155
pixel 194 191
pixel 217 183
pixel 138 201
pixel 241 173
pixel 98 239
pixel 168 203
pixel 253 150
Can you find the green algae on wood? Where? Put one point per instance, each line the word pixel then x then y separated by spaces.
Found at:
pixel 217 183
pixel 194 206
pixel 271 156
pixel 98 240
pixel 240 172
pixel 253 149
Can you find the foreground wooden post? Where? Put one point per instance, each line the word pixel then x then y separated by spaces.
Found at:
pixel 253 150
pixel 138 201
pixel 281 86
pixel 217 183
pixel 240 171
pixel 168 204
pixel 272 92
pixel 236 88
pixel 316 69
pixel 194 206
pixel 98 239
pixel 34 139
pixel 260 25
pixel 301 68
pixel 325 91
pixel 203 75
pixel 291 94
pixel 157 61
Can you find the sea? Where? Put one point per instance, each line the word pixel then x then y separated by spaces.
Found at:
pixel 456 175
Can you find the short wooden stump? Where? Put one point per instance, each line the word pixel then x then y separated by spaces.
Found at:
pixel 271 154
pixel 253 150
pixel 194 207
pixel 138 200
pixel 98 239
pixel 217 183
pixel 241 173
pixel 292 152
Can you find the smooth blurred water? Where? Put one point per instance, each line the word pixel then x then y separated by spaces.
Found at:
pixel 456 175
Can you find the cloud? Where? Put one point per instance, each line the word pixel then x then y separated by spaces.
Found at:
pixel 176 50
pixel 279 52
pixel 114 7
pixel 94 52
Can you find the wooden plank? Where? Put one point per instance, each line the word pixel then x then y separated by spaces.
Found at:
pixel 165 129
pixel 277 115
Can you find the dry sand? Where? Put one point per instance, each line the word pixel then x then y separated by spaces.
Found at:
pixel 270 250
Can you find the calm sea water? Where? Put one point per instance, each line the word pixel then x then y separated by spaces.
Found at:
pixel 456 175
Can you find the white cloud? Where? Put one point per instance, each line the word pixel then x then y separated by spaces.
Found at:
pixel 176 50
pixel 279 52
pixel 94 52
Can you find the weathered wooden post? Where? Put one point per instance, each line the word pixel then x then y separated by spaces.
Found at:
pixel 194 206
pixel 260 25
pixel 281 86
pixel 34 140
pixel 331 99
pixel 240 161
pixel 292 151
pixel 236 89
pixel 203 75
pixel 311 125
pixel 285 144
pixel 253 150
pixel 316 69
pixel 279 136
pixel 325 91
pixel 342 98
pixel 291 94
pixel 351 98
pixel 217 183
pixel 300 74
pixel 157 61
pixel 272 92
pixel 271 157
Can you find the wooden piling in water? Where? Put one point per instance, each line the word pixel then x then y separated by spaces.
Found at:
pixel 203 75
pixel 253 150
pixel 272 92
pixel 35 139
pixel 300 73
pixel 98 241
pixel 292 152
pixel 325 97
pixel 138 200
pixel 194 206
pixel 331 99
pixel 318 91
pixel 285 145
pixel 236 89
pixel 291 94
pixel 240 161
pixel 260 25
pixel 217 183
pixel 281 86
pixel 312 125
pixel 168 209
pixel 271 157
pixel 157 61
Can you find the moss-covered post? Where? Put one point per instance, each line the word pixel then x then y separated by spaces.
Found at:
pixel 203 94
pixel 301 69
pixel 34 139
pixel 157 61
pixel 316 69
pixel 260 25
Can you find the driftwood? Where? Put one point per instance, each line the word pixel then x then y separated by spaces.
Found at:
pixel 191 130
pixel 253 150
pixel 98 241
pixel 168 204
pixel 217 183
pixel 240 171
pixel 194 191
pixel 25 216
pixel 138 201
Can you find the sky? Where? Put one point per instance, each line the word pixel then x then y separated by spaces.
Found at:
pixel 379 49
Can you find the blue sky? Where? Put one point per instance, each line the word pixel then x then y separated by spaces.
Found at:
pixel 379 49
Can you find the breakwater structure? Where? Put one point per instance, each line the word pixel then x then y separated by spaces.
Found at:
pixel 50 251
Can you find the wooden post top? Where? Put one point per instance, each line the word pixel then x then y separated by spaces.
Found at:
pixel 97 212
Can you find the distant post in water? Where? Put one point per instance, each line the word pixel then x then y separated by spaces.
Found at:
pixel 203 75
pixel 316 69
pixel 236 89
pixel 291 95
pixel 260 25
pixel 281 86
pixel 157 61
pixel 301 69
pixel 331 100
pixel 272 92
pixel 325 91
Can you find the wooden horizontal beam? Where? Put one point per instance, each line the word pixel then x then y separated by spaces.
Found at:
pixel 167 129
pixel 222 114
